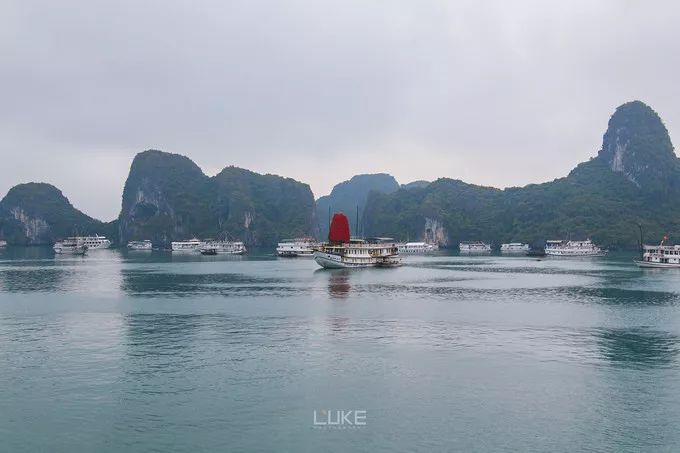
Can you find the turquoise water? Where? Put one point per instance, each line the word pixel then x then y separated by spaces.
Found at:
pixel 152 352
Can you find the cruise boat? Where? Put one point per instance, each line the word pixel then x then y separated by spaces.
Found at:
pixel 70 246
pixel 297 247
pixel 192 245
pixel 573 248
pixel 140 245
pixel 474 247
pixel 416 248
pixel 660 256
pixel 94 242
pixel 223 247
pixel 341 252
pixel 514 247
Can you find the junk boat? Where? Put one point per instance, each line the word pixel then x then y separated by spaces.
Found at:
pixel 297 247
pixel 573 248
pixel 474 247
pixel 660 256
pixel 341 252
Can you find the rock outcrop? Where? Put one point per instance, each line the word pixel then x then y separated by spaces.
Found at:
pixel 38 213
pixel 167 197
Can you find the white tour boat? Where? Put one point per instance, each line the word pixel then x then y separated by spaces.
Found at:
pixel 341 252
pixel 192 245
pixel 573 248
pixel 416 248
pixel 3 244
pixel 514 247
pixel 661 256
pixel 297 247
pixel 94 242
pixel 140 245
pixel 223 247
pixel 70 246
pixel 474 247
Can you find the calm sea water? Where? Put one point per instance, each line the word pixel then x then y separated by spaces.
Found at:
pixel 147 351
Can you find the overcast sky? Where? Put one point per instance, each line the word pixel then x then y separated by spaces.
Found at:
pixel 496 93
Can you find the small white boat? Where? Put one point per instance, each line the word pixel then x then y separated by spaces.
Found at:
pixel 140 245
pixel 95 242
pixel 573 248
pixel 660 256
pixel 416 248
pixel 192 245
pixel 301 247
pixel 3 244
pixel 70 246
pixel 223 247
pixel 468 247
pixel 514 247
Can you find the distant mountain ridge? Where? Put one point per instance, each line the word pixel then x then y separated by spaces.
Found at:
pixel 633 179
pixel 350 195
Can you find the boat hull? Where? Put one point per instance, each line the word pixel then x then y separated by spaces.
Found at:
pixel 333 261
pixel 650 264
pixel 70 250
pixel 295 254
pixel 574 254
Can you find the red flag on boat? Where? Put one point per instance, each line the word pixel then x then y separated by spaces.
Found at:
pixel 339 230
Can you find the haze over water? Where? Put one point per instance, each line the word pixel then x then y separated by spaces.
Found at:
pixel 150 351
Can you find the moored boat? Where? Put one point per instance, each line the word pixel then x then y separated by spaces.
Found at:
pixel 300 247
pixel 192 245
pixel 95 242
pixel 469 247
pixel 70 246
pixel 573 248
pixel 3 244
pixel 140 245
pixel 416 248
pixel 514 247
pixel 660 256
pixel 342 252
pixel 223 247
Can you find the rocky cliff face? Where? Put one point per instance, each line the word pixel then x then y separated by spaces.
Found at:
pixel 38 213
pixel 263 209
pixel 634 179
pixel 167 197
pixel 637 145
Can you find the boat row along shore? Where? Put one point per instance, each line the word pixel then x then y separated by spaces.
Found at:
pixel 344 251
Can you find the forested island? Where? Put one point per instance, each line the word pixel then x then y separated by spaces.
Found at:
pixel 633 180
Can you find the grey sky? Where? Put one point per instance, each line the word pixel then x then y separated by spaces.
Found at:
pixel 495 93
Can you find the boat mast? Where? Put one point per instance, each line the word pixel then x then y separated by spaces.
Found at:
pixel 356 230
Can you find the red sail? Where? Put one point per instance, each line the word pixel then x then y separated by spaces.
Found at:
pixel 339 231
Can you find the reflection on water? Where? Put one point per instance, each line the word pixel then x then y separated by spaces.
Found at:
pixel 35 279
pixel 338 283
pixel 149 283
pixel 638 348
pixel 193 353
